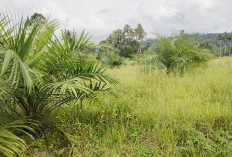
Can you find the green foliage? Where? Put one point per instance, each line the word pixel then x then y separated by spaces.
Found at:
pixel 180 53
pixel 10 143
pixel 47 78
pixel 128 41
pixel 208 45
pixel 140 33
pixel 217 43
pixel 37 18
pixel 39 74
pixel 173 115
pixel 128 50
pixel 43 74
pixel 111 59
pixel 150 60
pixel 10 128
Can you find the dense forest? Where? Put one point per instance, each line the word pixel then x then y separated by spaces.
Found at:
pixel 63 95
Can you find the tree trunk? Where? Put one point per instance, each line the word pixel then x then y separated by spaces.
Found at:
pixel 220 49
pixel 225 50
pixel 230 49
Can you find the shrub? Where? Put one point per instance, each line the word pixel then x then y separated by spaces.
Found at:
pixel 179 53
pixel 39 74
pixel 128 50
pixel 150 59
pixel 111 59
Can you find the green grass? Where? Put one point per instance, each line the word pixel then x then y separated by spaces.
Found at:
pixel 156 114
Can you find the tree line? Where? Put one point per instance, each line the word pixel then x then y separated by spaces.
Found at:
pixel 128 40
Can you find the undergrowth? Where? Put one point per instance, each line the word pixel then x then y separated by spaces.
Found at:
pixel 154 114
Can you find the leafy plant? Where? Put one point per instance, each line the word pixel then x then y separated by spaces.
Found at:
pixel 111 59
pixel 10 128
pixel 180 53
pixel 128 41
pixel 129 50
pixel 150 59
pixel 39 74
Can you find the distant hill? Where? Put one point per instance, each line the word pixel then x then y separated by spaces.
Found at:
pixel 150 41
pixel 207 36
pixel 199 36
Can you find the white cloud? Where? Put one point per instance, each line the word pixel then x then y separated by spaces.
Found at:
pixel 100 17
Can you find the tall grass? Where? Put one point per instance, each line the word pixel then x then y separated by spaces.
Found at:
pixel 157 114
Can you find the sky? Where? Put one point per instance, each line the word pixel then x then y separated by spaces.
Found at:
pixel 100 17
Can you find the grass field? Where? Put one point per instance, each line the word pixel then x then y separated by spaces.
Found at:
pixel 157 115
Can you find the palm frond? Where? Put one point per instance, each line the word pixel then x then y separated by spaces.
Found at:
pixel 23 48
pixel 10 143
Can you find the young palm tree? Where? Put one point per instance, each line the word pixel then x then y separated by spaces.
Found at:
pixel 180 53
pixel 41 74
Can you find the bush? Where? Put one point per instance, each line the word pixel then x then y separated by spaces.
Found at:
pixel 179 53
pixel 128 50
pixel 150 59
pixel 39 74
pixel 111 59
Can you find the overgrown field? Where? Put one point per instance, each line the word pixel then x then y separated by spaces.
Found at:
pixel 154 114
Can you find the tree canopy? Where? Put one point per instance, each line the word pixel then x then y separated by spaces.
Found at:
pixel 127 40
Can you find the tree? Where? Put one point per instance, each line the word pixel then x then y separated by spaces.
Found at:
pixel 209 45
pixel 229 38
pixel 220 38
pixel 67 35
pixel 126 30
pixel 224 38
pixel 118 37
pixel 110 39
pixel 37 18
pixel 179 53
pixel 127 34
pixel 140 35
pixel 126 40
pixel 40 75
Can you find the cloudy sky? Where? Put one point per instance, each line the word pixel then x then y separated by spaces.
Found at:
pixel 101 17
